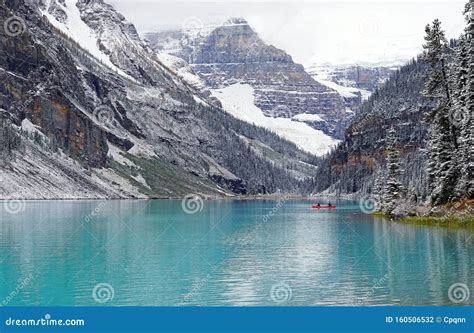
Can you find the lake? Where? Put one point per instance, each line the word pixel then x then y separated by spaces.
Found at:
pixel 225 253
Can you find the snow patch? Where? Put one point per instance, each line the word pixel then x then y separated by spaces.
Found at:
pixel 307 117
pixel 142 181
pixel 238 100
pixel 182 69
pixel 116 154
pixel 28 127
pixel 142 149
pixel 80 32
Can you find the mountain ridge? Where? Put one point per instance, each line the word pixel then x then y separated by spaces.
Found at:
pixel 131 127
pixel 234 53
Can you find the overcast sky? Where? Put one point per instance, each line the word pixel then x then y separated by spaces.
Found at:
pixel 312 31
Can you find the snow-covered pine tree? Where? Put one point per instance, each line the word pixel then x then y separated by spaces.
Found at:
pixel 461 115
pixel 393 187
pixel 432 165
pixel 378 186
pixel 464 106
pixel 9 140
pixel 468 136
pixel 441 167
pixel 435 49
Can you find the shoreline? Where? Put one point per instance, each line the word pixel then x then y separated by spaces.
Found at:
pixel 270 197
pixel 456 214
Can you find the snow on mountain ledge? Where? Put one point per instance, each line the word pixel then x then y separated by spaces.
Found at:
pixel 182 69
pixel 238 100
pixel 307 117
pixel 79 31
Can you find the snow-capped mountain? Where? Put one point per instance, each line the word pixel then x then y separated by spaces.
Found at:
pixel 270 89
pixel 91 111
pixel 355 83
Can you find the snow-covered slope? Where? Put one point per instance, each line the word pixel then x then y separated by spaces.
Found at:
pixel 234 53
pixel 352 81
pixel 182 69
pixel 105 117
pixel 238 100
pixel 68 20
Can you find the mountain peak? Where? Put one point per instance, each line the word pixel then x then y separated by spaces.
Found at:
pixel 236 21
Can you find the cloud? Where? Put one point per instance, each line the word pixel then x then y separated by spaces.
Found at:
pixel 313 31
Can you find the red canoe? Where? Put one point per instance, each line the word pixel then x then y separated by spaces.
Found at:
pixel 327 207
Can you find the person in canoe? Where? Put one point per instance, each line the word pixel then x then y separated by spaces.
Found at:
pixel 319 205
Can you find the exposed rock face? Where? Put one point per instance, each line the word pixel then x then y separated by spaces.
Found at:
pixel 24 95
pixel 355 83
pixel 366 78
pixel 234 53
pixel 399 103
pixel 100 113
pixel 74 132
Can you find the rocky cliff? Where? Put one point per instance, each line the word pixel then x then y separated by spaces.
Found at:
pixel 355 83
pixel 99 115
pixel 234 53
pixel 400 104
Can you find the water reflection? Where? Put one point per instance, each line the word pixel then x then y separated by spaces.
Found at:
pixel 231 253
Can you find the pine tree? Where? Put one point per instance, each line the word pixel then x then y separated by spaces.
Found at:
pixel 432 165
pixel 464 106
pixel 442 169
pixel 460 108
pixel 393 187
pixel 467 139
pixel 9 140
pixel 378 187
pixel 435 49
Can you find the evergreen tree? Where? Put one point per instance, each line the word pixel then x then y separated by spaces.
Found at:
pixel 378 187
pixel 464 106
pixel 393 187
pixel 9 140
pixel 466 183
pixel 461 115
pixel 435 50
pixel 441 168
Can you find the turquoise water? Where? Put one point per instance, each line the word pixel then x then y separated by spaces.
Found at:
pixel 235 253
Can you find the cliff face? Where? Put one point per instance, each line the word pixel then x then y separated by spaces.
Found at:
pixel 399 103
pixel 366 78
pixel 100 114
pixel 234 53
pixel 30 89
pixel 355 83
